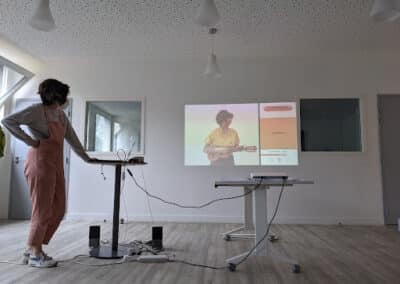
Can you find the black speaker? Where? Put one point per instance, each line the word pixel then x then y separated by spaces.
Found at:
pixel 94 236
pixel 157 236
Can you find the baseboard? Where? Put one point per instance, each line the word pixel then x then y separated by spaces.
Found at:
pixel 226 219
pixel 329 221
pixel 159 218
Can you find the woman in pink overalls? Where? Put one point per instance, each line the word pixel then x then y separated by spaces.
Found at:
pixel 44 169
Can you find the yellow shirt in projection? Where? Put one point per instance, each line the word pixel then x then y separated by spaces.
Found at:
pixel 220 139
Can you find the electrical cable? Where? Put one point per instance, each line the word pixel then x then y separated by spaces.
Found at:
pixel 251 250
pixel 125 155
pixel 148 194
pixel 100 264
pixel 199 265
pixel 148 199
pixel 268 228
pixel 141 246
pixel 149 249
pixel 102 172
pixel 209 203
pixel 73 258
pixel 125 158
pixel 124 202
pixel 133 142
pixel 189 206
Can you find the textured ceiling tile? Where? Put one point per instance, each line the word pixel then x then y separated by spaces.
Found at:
pixel 165 28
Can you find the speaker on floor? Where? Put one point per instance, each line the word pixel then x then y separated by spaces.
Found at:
pixel 157 236
pixel 94 236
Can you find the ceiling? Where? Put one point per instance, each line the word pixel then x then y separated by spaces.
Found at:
pixel 165 28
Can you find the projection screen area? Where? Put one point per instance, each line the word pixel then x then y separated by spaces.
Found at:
pixel 253 134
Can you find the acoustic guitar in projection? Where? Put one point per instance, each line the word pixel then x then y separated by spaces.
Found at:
pixel 225 152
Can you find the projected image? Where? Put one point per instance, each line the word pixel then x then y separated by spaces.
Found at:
pixel 278 134
pixel 221 135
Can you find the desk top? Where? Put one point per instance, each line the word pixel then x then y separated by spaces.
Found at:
pixel 264 182
pixel 133 161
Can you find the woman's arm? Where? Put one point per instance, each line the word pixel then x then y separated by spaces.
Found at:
pixel 73 140
pixel 23 117
pixel 2 142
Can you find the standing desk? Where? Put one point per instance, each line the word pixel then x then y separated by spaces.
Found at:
pixel 258 198
pixel 114 251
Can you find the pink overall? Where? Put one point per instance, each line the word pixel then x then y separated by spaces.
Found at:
pixel 44 172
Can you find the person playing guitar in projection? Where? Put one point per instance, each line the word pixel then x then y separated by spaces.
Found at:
pixel 223 141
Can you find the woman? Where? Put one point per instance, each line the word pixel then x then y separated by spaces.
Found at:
pixel 222 142
pixel 2 142
pixel 44 169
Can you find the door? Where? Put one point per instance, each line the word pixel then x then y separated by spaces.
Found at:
pixel 20 203
pixel 389 117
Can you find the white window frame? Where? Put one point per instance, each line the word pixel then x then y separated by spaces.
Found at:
pixel 27 75
pixel 113 155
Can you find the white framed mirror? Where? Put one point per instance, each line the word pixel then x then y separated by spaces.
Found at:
pixel 114 129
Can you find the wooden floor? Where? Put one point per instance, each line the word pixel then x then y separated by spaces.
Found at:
pixel 327 254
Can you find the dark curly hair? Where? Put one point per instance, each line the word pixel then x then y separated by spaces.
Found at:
pixel 53 91
pixel 223 115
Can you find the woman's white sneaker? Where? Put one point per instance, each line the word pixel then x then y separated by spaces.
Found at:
pixel 41 261
pixel 25 256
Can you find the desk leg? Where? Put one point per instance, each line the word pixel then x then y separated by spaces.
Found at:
pixel 248 219
pixel 261 219
pixel 114 251
pixel 248 209
pixel 261 222
pixel 117 198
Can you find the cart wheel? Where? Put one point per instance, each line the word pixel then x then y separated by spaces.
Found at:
pixel 227 238
pixel 296 268
pixel 232 267
pixel 272 238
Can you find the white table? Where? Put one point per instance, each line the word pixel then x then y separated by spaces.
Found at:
pixel 258 198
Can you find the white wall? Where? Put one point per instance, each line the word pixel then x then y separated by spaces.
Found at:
pixel 32 64
pixel 19 56
pixel 5 162
pixel 347 185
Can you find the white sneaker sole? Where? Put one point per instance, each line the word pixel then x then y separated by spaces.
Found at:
pixel 41 265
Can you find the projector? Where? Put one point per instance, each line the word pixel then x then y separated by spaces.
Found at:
pixel 268 175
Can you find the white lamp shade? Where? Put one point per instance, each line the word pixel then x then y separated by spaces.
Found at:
pixel 385 10
pixel 212 69
pixel 42 19
pixel 207 14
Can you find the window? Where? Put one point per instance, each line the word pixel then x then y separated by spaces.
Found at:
pixel 117 137
pixel 103 134
pixel 1 112
pixel 112 126
pixel 330 125
pixel 12 77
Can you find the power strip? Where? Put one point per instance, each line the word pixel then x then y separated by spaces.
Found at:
pixel 153 258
